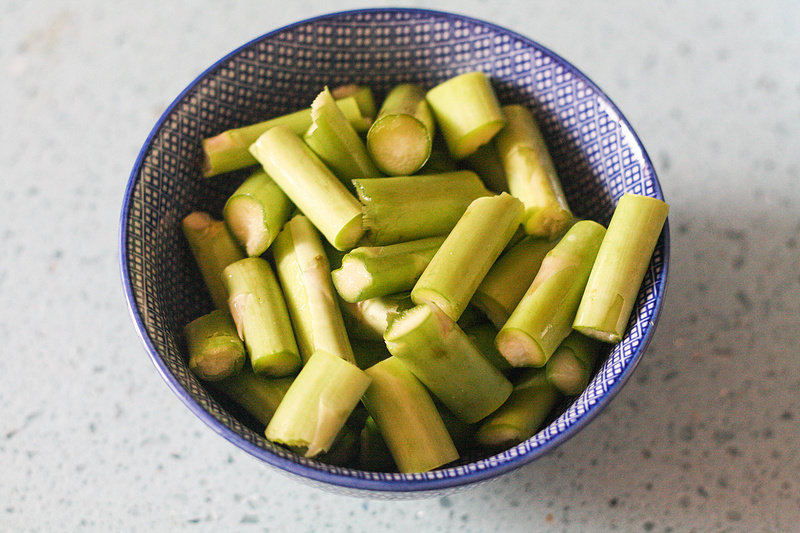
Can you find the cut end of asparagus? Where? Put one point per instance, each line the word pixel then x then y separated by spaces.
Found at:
pixel 519 349
pixel 566 372
pixel 497 436
pixel 278 365
pixel 494 310
pixel 408 321
pixel 350 234
pixel 245 219
pixel 399 144
pixel 548 222
pixel 217 363
pixel 351 279
pixel 604 336
pixel 425 295
pixel 198 221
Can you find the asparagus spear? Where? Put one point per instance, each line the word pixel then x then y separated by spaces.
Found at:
pixel 620 267
pixel 336 142
pixel 317 404
pixel 374 454
pixel 523 413
pixel 215 351
pixel 450 279
pixel 544 316
pixel 408 420
pixel 258 395
pixel 306 280
pixel 400 139
pixel 228 150
pixel 435 349
pixel 467 112
pixel 369 272
pixel 256 212
pixel 213 248
pixel 508 279
pixel 368 319
pixel 407 208
pixel 531 174
pixel 363 97
pixel 485 161
pixel 261 318
pixel 310 185
pixel 570 367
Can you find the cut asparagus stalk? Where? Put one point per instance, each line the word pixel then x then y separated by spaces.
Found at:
pixel 374 454
pixel 486 162
pixel 256 212
pixel 620 267
pixel 259 311
pixel 407 208
pixel 336 142
pixel 482 336
pixel 460 264
pixel 400 139
pixel 228 150
pixel 363 97
pixel 310 185
pixel 408 420
pixel 317 404
pixel 257 395
pixel 531 175
pixel 213 248
pixel 508 279
pixel 368 319
pixel 544 316
pixel 215 351
pixel 306 280
pixel 522 414
pixel 570 367
pixel 467 111
pixel 442 357
pixel 369 272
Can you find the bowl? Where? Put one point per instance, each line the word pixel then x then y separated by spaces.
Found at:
pixel 596 152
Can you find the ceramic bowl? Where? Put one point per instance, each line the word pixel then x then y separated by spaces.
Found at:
pixel 596 152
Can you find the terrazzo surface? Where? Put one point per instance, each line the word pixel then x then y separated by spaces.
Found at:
pixel 702 438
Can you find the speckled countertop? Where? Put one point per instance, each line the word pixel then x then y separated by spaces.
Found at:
pixel 703 438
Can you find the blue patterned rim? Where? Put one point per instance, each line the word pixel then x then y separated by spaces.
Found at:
pixel 594 139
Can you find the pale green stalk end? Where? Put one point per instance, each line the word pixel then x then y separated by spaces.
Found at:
pixel 215 350
pixel 259 396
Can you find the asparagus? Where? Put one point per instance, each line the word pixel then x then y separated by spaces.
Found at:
pixel 374 454
pixel 544 316
pixel 213 248
pixel 256 211
pixel 450 279
pixel 407 208
pixel 261 318
pixel 486 162
pixel 317 404
pixel 482 336
pixel 368 319
pixel 400 139
pixel 620 267
pixel 258 395
pixel 369 272
pixel 228 150
pixel 442 357
pixel 363 97
pixel 508 279
pixel 310 185
pixel 523 413
pixel 215 351
pixel 408 420
pixel 570 367
pixel 336 142
pixel 467 112
pixel 531 174
pixel 306 280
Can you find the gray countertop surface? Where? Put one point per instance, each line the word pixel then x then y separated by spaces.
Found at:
pixel 704 437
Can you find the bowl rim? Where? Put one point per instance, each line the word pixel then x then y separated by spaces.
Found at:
pixel 366 484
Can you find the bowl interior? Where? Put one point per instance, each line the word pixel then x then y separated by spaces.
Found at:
pixel 596 153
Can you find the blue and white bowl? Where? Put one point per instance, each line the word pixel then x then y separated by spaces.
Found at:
pixel 596 152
